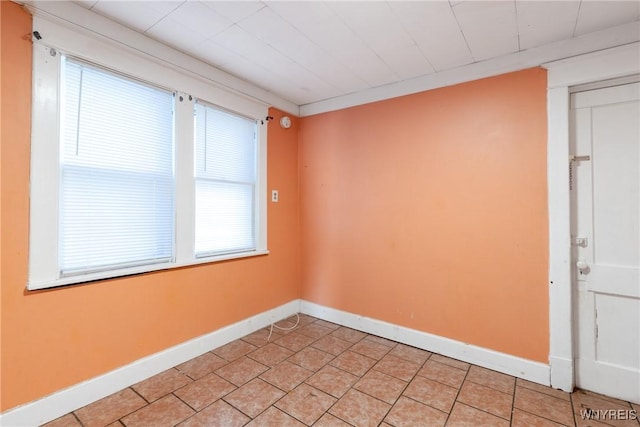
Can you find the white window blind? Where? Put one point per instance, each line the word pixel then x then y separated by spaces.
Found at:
pixel 114 181
pixel 225 175
pixel 116 206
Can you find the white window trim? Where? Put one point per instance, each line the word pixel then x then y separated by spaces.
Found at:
pixel 43 238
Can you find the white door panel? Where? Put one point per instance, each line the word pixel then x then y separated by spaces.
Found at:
pixel 606 224
pixel 605 378
pixel 615 188
pixel 614 280
pixel 614 344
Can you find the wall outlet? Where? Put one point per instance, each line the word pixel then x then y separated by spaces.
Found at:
pixel 274 196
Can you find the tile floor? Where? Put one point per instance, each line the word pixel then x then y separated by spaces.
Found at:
pixel 322 374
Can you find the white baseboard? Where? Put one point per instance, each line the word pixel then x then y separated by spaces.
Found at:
pixel 512 365
pixel 64 401
pixel 562 373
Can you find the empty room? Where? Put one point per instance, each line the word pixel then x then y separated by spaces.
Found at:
pixel 320 213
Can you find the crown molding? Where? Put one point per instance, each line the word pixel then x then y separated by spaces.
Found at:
pixel 587 43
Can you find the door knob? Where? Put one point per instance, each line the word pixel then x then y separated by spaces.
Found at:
pixel 582 265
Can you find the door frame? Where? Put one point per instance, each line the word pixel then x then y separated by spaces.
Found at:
pixel 561 77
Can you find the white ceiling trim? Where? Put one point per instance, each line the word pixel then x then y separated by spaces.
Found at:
pixel 82 19
pixel 625 60
pixel 592 42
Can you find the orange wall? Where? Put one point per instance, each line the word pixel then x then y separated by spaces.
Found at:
pixel 427 211
pixel 57 338
pixel 430 211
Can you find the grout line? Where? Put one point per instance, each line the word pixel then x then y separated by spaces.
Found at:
pixel 546 418
pixel 359 378
pixel 493 388
pixel 141 396
pixel 372 369
pixel 178 397
pixel 464 379
pixel 80 422
pixel 481 410
pixel 513 400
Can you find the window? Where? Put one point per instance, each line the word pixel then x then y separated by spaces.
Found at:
pixel 137 166
pixel 225 181
pixel 116 171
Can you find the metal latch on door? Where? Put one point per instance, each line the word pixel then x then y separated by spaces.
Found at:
pixel 572 160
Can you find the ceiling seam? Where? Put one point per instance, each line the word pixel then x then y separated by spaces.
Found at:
pixel 575 25
pixel 417 45
pixel 163 17
pixel 286 55
pixel 328 54
pixel 464 37
pixel 341 18
pixel 515 6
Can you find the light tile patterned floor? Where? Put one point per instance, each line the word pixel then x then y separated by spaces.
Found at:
pixel 322 374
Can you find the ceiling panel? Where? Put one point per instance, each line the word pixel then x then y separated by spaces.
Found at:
pixel 535 27
pixel 196 16
pixel 301 80
pixel 308 51
pixel 137 15
pixel 489 27
pixel 175 34
pixel 237 65
pixel 316 59
pixel 335 37
pixel 339 76
pixel 244 44
pixel 234 10
pixel 307 82
pixel 268 26
pixel 371 68
pixel 435 30
pixel 282 88
pixel 210 52
pixel 598 15
pixel 247 70
pixel 301 13
pixel 349 49
pixel 407 62
pixel 86 3
pixel 370 21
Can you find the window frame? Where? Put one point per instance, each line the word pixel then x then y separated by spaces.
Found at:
pixel 61 164
pixel 45 157
pixel 207 105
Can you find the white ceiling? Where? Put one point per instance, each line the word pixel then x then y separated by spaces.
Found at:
pixel 311 51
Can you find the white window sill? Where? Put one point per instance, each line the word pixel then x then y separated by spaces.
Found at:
pixel 111 274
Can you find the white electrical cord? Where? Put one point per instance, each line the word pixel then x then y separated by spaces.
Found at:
pixel 282 328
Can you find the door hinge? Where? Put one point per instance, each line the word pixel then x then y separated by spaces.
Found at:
pixel 583 242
